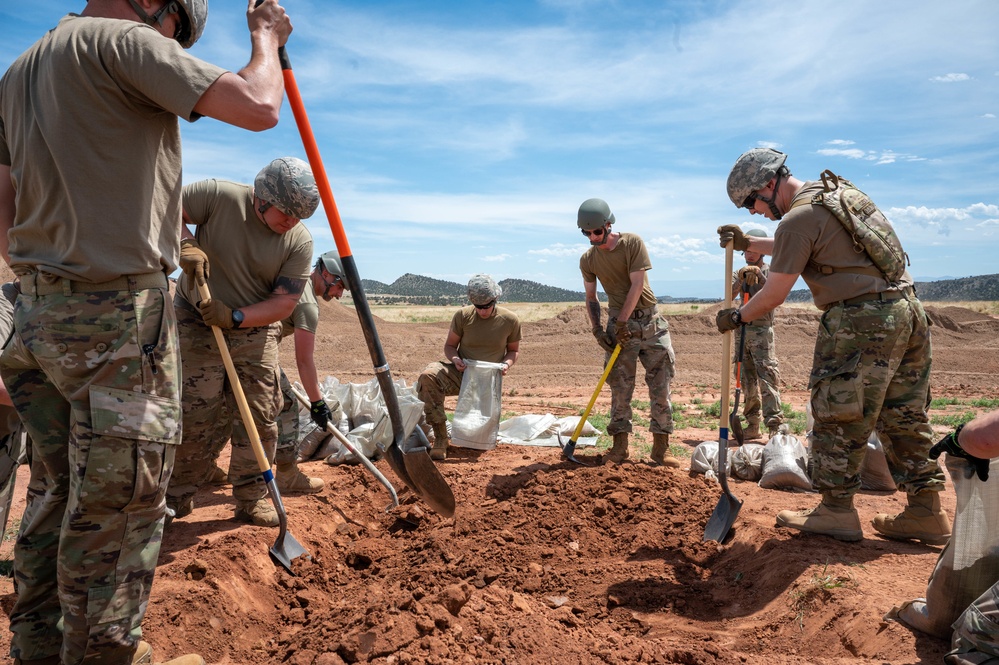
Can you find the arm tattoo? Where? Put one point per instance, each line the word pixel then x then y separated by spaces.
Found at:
pixel 593 310
pixel 288 286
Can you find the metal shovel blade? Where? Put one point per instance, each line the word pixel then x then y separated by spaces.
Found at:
pixel 568 450
pixel 727 510
pixel 430 484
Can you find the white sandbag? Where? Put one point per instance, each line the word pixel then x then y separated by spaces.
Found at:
pixel 308 448
pixel 747 461
pixel 525 427
pixel 874 472
pixel 476 418
pixel 785 464
pixel 969 564
pixel 705 460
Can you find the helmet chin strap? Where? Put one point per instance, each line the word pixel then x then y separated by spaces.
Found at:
pixel 603 238
pixel 157 18
pixel 772 201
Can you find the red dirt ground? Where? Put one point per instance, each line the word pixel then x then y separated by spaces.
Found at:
pixel 545 561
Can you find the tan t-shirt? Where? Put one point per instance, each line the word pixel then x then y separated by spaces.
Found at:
pixel 245 257
pixel 305 316
pixel 614 269
pixel 810 235
pixel 88 126
pixel 764 321
pixel 485 339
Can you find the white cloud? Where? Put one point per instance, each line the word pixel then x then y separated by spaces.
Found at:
pixel 496 258
pixel 950 78
pixel 849 153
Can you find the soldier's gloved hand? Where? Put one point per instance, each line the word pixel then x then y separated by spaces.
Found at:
pixel 949 445
pixel 732 233
pixel 215 313
pixel 603 339
pixel 622 333
pixel 193 260
pixel 751 276
pixel 320 414
pixel 728 319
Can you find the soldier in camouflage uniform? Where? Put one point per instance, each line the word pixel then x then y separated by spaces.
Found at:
pixel 975 640
pixel 326 282
pixel 621 263
pixel 872 354
pixel 90 189
pixel 12 445
pixel 482 331
pixel 255 256
pixel 760 373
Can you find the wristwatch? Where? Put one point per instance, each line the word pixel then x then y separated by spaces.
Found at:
pixel 237 318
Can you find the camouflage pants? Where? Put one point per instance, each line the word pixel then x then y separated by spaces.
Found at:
pixel 872 368
pixel 438 380
pixel 95 378
pixel 976 632
pixel 650 344
pixel 211 414
pixel 289 436
pixel 760 377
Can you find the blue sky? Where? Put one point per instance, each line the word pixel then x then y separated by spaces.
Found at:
pixel 461 137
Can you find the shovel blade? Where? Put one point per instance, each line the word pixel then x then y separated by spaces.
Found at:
pixel 286 549
pixel 430 484
pixel 569 449
pixel 722 519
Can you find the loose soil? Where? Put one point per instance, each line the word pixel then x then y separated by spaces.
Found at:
pixel 545 561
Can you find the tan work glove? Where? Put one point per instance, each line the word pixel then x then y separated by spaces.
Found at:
pixel 751 276
pixel 193 260
pixel 603 339
pixel 216 313
pixel 622 333
pixel 732 233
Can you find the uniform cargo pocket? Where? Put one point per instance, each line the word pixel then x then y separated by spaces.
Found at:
pixel 838 393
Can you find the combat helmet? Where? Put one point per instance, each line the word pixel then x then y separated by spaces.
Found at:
pixel 330 262
pixel 757 233
pixel 752 171
pixel 483 289
pixel 593 214
pixel 193 16
pixel 287 183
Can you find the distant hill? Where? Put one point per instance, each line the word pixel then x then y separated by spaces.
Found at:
pixel 982 287
pixel 416 289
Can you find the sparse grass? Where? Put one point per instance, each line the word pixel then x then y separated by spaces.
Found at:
pixel 13 526
pixel 985 403
pixel 953 420
pixel 640 404
pixel 796 421
pixel 819 587
pixel 941 402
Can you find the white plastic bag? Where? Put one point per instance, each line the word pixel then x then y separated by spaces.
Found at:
pixel 705 460
pixel 476 417
pixel 747 461
pixel 874 472
pixel 785 464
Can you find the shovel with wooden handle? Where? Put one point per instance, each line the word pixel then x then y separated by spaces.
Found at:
pixel 286 547
pixel 728 507
pixel 408 456
pixel 570 448
pixel 361 457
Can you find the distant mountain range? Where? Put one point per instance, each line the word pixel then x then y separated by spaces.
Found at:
pixel 416 289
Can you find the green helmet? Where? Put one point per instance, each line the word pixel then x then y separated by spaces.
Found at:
pixel 287 183
pixel 330 262
pixel 193 16
pixel 483 289
pixel 752 171
pixel 593 214
pixel 757 233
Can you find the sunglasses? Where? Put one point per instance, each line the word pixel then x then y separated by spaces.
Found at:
pixel 486 306
pixel 595 232
pixel 750 201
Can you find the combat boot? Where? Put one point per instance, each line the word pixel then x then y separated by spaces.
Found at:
pixel 217 476
pixel 50 660
pixel 753 431
pixel 291 480
pixel 835 517
pixel 923 520
pixel 257 511
pixel 619 452
pixel 439 451
pixel 144 656
pixel 660 450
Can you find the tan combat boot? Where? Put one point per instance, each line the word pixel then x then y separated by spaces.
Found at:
pixel 660 450
pixel 753 431
pixel 257 511
pixel 291 480
pixel 835 517
pixel 217 476
pixel 144 656
pixel 439 451
pixel 923 520
pixel 619 452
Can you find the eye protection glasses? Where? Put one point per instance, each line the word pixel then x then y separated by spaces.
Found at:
pixel 596 233
pixel 750 201
pixel 486 306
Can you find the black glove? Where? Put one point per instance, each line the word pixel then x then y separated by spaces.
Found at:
pixel 320 414
pixel 949 445
pixel 732 233
pixel 603 339
pixel 728 319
